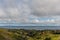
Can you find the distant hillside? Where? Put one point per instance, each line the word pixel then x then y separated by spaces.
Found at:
pixel 21 34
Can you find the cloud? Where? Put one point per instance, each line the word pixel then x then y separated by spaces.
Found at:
pixel 2 13
pixel 14 10
pixel 30 11
pixel 44 21
pixel 46 7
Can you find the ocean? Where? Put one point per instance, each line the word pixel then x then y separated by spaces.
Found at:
pixel 29 26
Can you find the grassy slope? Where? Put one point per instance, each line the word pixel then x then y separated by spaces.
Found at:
pixel 15 34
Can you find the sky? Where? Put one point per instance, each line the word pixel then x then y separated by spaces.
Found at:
pixel 30 12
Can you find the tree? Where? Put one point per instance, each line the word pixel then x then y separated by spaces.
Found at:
pixel 48 38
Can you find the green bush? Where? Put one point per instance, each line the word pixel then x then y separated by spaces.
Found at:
pixel 48 38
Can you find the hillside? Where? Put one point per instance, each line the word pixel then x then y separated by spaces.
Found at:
pixel 21 34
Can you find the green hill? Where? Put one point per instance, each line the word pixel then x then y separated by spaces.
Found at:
pixel 21 34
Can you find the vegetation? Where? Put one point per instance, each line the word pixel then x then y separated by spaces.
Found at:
pixel 21 34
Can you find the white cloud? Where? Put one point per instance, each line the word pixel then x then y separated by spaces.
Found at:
pixel 20 11
pixel 35 21
pixel 17 10
pixel 46 7
pixel 2 13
